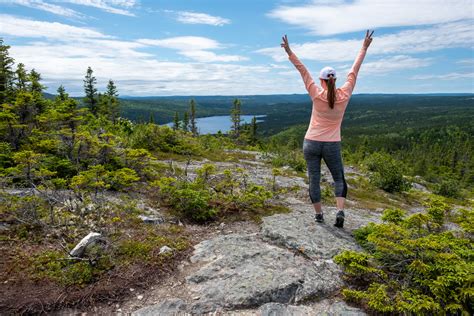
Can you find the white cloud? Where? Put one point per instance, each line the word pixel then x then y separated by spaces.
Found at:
pixel 48 7
pixel 15 26
pixel 448 76
pixel 205 56
pixel 63 53
pixel 448 35
pixel 183 43
pixel 121 7
pixel 194 47
pixel 394 63
pixel 200 18
pixel 324 18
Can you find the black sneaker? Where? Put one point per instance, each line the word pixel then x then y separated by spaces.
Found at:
pixel 318 217
pixel 339 219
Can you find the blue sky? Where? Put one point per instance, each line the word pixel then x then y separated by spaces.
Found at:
pixel 210 47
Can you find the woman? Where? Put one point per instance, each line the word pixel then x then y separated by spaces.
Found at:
pixel 323 137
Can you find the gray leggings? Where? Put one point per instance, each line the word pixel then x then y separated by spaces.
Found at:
pixel 331 153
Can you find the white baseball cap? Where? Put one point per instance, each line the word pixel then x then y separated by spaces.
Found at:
pixel 326 72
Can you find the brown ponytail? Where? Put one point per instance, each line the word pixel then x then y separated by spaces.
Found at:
pixel 331 83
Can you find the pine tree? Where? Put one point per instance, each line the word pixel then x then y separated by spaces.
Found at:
pixel 62 95
pixel 35 85
pixel 186 122
pixel 176 123
pixel 90 90
pixel 151 120
pixel 6 73
pixel 235 118
pixel 112 89
pixel 253 130
pixel 21 77
pixel 193 118
pixel 114 104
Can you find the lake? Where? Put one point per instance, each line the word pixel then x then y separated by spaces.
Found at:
pixel 213 124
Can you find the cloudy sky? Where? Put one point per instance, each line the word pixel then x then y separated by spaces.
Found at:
pixel 210 47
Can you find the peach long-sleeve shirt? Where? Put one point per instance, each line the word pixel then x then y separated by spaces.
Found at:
pixel 325 123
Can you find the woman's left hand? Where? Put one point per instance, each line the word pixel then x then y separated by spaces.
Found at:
pixel 286 45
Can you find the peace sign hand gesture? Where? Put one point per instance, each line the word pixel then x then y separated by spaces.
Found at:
pixel 368 39
pixel 286 45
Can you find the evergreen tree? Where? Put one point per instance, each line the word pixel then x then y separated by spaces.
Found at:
pixel 113 104
pixel 176 123
pixel 235 118
pixel 35 85
pixel 253 130
pixel 112 89
pixel 193 118
pixel 6 73
pixel 62 95
pixel 90 90
pixel 21 77
pixel 186 122
pixel 152 118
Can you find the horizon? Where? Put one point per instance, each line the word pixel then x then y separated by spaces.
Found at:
pixel 210 48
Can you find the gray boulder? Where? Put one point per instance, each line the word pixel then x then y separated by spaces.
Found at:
pixel 298 230
pixel 240 271
pixel 168 307
pixel 278 309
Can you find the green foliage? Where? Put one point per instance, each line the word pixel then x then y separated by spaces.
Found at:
pixel 97 179
pixel 394 216
pixel 448 188
pixel 123 179
pixel 386 173
pixel 90 91
pixel 52 264
pixel 190 199
pixel 412 265
pixel 235 113
pixel 254 196
pixel 93 179
pixel 162 138
pixel 282 156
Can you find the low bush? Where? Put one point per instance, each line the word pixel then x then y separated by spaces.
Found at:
pixel 386 173
pixel 412 265
pixel 448 188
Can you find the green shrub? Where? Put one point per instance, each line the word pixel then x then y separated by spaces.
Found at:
pixel 190 199
pixel 386 173
pixel 412 266
pixel 193 203
pixel 287 157
pixel 52 264
pixel 394 216
pixel 448 188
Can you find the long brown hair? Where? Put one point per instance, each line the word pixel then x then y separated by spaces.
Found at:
pixel 331 83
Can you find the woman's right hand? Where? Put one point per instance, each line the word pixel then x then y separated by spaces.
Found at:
pixel 368 39
pixel 286 45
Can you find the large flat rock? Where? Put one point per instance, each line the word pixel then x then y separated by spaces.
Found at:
pixel 241 271
pixel 298 230
pixel 325 307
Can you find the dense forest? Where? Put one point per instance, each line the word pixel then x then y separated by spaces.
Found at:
pixel 104 164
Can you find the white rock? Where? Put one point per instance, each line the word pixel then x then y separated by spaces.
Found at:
pixel 165 249
pixel 78 251
pixel 140 297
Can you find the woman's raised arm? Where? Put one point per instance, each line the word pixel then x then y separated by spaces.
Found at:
pixel 311 87
pixel 352 76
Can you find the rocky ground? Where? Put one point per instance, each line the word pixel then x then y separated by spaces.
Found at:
pixel 282 266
